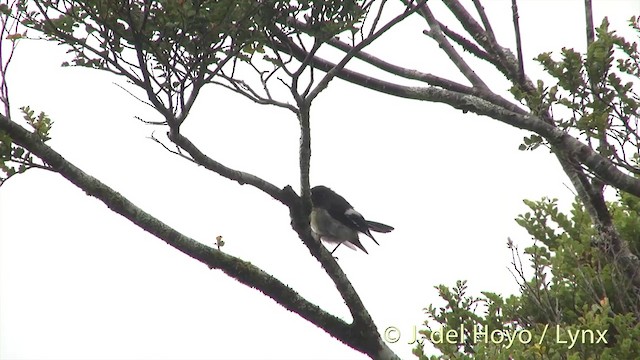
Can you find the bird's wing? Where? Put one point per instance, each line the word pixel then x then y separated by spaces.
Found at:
pixel 336 208
pixel 359 222
pixel 326 228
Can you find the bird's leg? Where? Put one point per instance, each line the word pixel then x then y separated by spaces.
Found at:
pixel 334 249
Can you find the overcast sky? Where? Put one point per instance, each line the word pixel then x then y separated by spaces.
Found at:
pixel 80 282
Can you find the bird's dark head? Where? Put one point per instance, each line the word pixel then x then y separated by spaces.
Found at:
pixel 320 195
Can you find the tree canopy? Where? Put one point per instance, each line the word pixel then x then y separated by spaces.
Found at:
pixel 284 54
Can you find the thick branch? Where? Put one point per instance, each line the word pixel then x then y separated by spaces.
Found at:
pixel 599 165
pixel 368 339
pixel 419 76
pixel 514 116
pixel 402 71
pixel 362 321
pixel 244 272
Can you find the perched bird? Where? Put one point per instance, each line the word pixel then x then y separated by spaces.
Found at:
pixel 334 220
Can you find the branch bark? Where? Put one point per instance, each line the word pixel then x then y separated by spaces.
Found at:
pixel 236 175
pixel 602 167
pixel 361 335
pixel 588 14
pixel 479 99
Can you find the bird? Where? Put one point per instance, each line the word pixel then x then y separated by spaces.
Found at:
pixel 334 220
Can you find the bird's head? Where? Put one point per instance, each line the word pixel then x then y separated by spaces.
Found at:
pixel 320 195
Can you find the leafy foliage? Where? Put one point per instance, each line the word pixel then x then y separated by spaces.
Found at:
pixel 594 95
pixel 576 306
pixel 15 159
pixel 171 48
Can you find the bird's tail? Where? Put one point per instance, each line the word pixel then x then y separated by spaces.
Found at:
pixel 378 227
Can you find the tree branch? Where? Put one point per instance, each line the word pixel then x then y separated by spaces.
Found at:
pixel 236 175
pixel 354 51
pixel 516 27
pixel 369 341
pixel 436 33
pixel 244 272
pixel 485 20
pixel 419 76
pixel 468 45
pixel 588 14
pixel 507 63
pixel 402 71
pixel 240 270
pixel 305 156
pixel 514 116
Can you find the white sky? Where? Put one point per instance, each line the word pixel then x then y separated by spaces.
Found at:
pixel 80 282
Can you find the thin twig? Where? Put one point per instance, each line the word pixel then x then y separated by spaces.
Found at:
pixel 340 65
pixel 176 152
pixel 133 95
pixel 377 18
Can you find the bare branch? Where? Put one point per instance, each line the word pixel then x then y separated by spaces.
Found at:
pixel 176 152
pixel 239 87
pixel 419 76
pixel 305 156
pixel 507 62
pixel 340 65
pixel 467 45
pixel 236 175
pixel 401 71
pixel 436 33
pixel 134 95
pixel 588 14
pixel 8 24
pixel 485 20
pixel 516 26
pixel 149 122
pixel 377 18
pixel 352 335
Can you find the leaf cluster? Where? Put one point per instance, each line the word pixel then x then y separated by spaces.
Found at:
pixel 187 33
pixel 594 96
pixel 571 284
pixel 574 289
pixel 171 48
pixel 15 159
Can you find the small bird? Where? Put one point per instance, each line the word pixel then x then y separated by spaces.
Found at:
pixel 334 220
